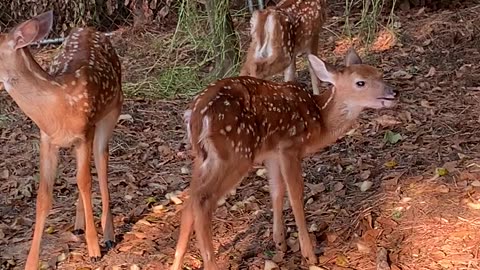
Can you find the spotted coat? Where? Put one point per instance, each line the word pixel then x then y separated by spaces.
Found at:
pixel 248 116
pixel 89 72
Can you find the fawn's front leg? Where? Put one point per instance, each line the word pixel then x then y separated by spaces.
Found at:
pixel 291 168
pixel 84 182
pixel 48 169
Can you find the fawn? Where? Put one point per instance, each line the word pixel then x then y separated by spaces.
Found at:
pixel 281 33
pixel 77 104
pixel 237 122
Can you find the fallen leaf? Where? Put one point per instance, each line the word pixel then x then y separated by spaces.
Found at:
pixel 401 74
pixel 443 189
pixel 62 257
pixel 314 267
pixel 50 230
pixel 158 208
pixel 313 228
pixel 366 185
pixel 134 267
pixel 5 174
pixel 126 117
pixel 363 247
pixel 331 237
pixel 163 12
pixel 262 172
pixel 172 196
pixel 338 186
pixel 392 137
pixel 293 244
pixel 475 206
pixel 125 248
pixel 364 175
pixel 387 120
pixel 475 183
pixel 221 201
pixel 316 188
pixel 270 265
pixel 140 235
pixel 391 164
pixel 278 257
pixel 150 200
pixel 441 171
pixel 431 72
pixel 184 170
pixel 341 260
pixel 397 214
pixel 425 103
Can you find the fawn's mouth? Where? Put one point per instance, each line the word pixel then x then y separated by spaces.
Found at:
pixel 387 98
pixel 387 102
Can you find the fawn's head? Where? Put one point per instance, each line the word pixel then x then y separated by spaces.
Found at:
pixel 271 48
pixel 22 35
pixel 357 85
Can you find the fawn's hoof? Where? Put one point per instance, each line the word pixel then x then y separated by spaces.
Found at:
pixel 109 244
pixel 95 259
pixel 78 232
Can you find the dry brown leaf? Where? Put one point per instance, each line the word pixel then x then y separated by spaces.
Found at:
pixel 363 247
pixel 331 237
pixel 278 257
pixel 338 186
pixel 270 265
pixel 364 175
pixel 125 117
pixel 387 120
pixel 262 172
pixel 425 103
pixel 5 174
pixel 315 188
pixel 314 267
pixel 366 185
pixel 341 260
pixel 431 72
pixel 293 244
pixel 401 74
pixel 125 248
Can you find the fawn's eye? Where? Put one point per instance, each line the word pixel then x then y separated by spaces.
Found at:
pixel 360 83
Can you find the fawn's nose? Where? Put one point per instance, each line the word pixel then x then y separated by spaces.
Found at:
pixel 390 91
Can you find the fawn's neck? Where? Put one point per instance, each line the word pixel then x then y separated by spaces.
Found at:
pixel 32 88
pixel 337 118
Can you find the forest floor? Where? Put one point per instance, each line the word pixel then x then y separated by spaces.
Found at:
pixel 423 206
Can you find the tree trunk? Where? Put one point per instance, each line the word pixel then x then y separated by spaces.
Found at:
pixel 224 39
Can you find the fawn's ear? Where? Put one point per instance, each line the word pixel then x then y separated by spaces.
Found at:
pixel 323 71
pixel 352 58
pixel 32 30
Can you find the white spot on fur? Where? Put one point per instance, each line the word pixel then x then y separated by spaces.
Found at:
pixel 265 50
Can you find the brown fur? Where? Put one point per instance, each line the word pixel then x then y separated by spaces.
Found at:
pixel 239 121
pixel 295 31
pixel 78 104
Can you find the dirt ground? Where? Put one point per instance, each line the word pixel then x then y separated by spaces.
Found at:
pixel 423 207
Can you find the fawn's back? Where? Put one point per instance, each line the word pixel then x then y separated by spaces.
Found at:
pixel 246 118
pixel 89 71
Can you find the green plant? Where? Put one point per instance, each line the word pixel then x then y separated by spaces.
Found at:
pixel 369 23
